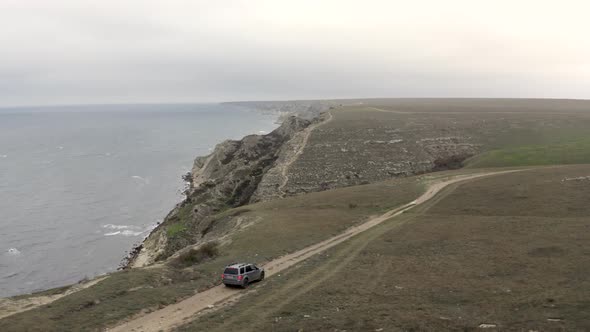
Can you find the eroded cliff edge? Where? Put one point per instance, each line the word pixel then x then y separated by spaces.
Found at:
pixel 227 178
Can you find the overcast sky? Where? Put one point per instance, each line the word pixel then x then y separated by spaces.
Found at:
pixel 121 51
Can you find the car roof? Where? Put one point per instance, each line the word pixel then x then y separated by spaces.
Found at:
pixel 238 265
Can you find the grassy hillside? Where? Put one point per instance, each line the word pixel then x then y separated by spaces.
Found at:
pixel 267 231
pixel 568 152
pixel 507 250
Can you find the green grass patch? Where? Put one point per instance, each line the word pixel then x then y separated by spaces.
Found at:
pixel 575 152
pixel 175 229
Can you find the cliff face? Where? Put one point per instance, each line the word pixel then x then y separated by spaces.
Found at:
pixel 227 178
pixel 244 161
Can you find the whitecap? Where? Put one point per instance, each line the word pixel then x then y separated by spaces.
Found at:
pixel 130 233
pixel 3 156
pixel 13 251
pixel 262 132
pixel 124 233
pixel 60 148
pixel 124 230
pixel 111 226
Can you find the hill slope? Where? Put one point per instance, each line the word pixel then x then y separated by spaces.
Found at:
pixel 508 251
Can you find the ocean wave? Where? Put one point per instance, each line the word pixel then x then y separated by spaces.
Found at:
pixel 9 275
pixel 131 233
pixel 90 155
pixel 3 156
pixel 126 232
pixel 111 226
pixel 13 251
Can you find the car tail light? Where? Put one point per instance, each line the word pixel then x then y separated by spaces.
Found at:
pixel 222 276
pixel 240 278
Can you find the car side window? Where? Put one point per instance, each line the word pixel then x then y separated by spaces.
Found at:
pixel 248 268
pixel 255 267
pixel 242 270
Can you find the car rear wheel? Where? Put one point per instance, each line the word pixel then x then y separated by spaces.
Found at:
pixel 245 283
pixel 262 276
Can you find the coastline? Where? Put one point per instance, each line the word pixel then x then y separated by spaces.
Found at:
pixel 94 220
pixel 16 303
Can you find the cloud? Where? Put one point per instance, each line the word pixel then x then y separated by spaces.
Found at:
pixel 181 51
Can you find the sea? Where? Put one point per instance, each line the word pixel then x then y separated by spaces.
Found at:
pixel 80 185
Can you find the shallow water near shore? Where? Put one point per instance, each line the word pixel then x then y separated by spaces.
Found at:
pixel 79 185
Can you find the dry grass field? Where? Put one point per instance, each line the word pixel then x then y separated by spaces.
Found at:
pixel 509 251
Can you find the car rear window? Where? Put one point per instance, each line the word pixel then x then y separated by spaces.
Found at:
pixel 230 270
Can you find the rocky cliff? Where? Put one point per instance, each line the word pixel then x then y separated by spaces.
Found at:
pixel 229 177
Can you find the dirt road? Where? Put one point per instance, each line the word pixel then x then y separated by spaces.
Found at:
pixel 181 312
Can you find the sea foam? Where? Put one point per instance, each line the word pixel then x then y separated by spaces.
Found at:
pixel 123 230
pixel 111 226
pixel 124 233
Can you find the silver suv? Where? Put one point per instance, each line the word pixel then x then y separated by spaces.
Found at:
pixel 241 274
